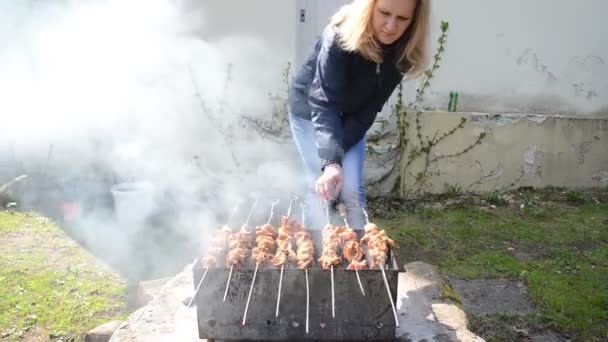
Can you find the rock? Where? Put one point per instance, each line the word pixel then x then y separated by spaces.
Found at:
pixel 102 333
pixel 149 289
pixel 424 312
pixel 165 318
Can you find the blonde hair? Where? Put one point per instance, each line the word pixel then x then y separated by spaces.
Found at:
pixel 355 34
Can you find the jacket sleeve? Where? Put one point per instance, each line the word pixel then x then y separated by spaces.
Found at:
pixel 327 96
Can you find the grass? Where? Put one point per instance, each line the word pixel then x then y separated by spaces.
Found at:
pixel 50 288
pixel 559 248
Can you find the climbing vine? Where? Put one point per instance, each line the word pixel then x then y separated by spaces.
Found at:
pixel 276 127
pixel 406 147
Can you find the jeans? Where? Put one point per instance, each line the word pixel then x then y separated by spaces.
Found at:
pixel 353 189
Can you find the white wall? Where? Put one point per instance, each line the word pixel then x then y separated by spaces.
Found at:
pixel 271 22
pixel 519 56
pixel 317 16
pixel 542 56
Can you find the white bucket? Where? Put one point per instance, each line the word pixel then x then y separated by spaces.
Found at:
pixel 133 201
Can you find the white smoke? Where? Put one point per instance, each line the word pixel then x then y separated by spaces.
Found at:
pixel 109 91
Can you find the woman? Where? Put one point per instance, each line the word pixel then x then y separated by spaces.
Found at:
pixel 359 60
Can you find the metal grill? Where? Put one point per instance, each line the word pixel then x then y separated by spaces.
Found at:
pixel 357 317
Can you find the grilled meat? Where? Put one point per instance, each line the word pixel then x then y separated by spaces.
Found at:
pixel 305 249
pixel 240 244
pixel 331 247
pixel 285 252
pixel 378 244
pixel 217 247
pixel 265 244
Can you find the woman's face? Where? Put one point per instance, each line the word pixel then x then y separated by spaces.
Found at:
pixel 391 18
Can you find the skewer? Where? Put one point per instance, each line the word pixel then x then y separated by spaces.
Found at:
pixel 279 295
pixel 228 283
pixel 257 265
pixel 272 210
pixel 289 209
pixel 198 287
pixel 306 273
pixel 333 295
pixel 307 299
pixel 232 266
pixel 360 284
pixel 365 214
pixel 356 270
pixel 251 211
pixel 255 273
pixel 234 210
pixel 390 296
pixel 282 269
pixel 388 290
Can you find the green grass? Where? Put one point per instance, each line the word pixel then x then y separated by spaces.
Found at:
pixel 50 288
pixel 559 249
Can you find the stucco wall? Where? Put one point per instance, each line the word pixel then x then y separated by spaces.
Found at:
pixel 543 56
pixel 271 22
pixel 517 150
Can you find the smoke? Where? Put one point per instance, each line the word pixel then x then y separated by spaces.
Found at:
pixel 100 93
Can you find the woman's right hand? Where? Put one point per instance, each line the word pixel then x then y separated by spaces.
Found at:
pixel 329 184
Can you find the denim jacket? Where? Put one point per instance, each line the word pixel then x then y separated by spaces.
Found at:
pixel 342 93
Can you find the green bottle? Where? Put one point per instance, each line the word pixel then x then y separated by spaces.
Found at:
pixel 453 101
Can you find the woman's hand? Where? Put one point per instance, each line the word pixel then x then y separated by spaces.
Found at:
pixel 329 184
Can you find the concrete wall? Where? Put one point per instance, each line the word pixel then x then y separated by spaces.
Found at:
pixel 271 22
pixel 317 14
pixel 543 56
pixel 512 58
pixel 517 150
pixel 552 61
